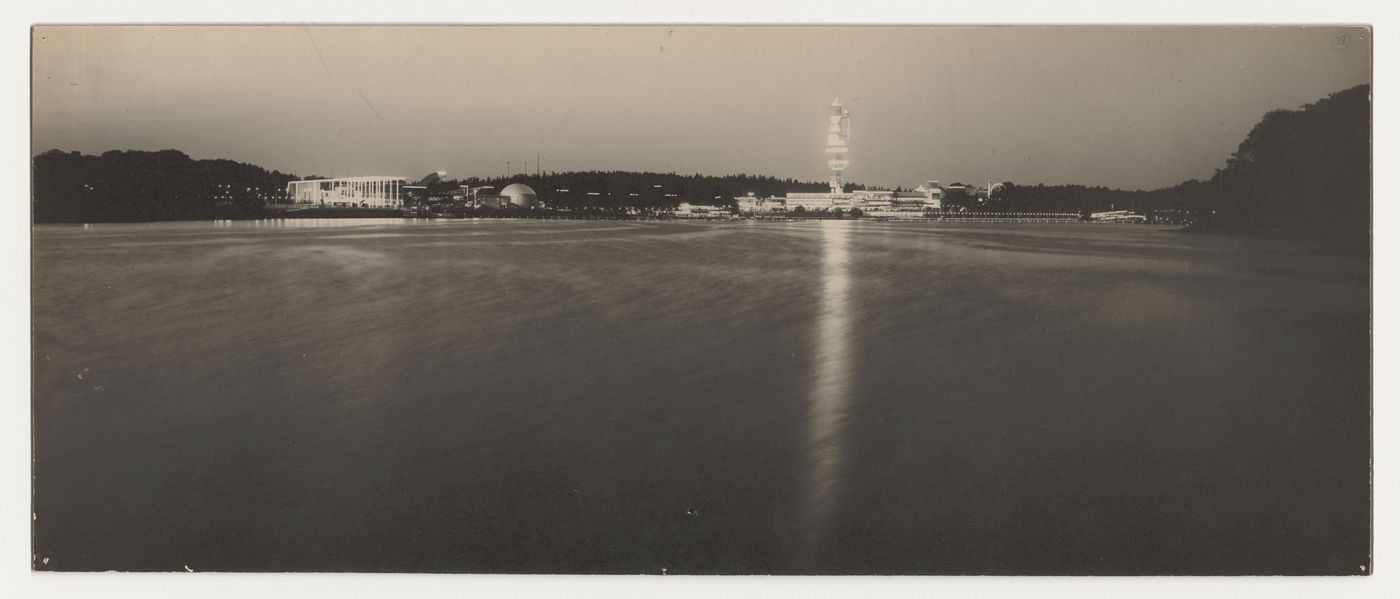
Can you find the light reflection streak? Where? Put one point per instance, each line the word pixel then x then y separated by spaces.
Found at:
pixel 831 380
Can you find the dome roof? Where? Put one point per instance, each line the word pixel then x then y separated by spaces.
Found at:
pixel 517 190
pixel 520 195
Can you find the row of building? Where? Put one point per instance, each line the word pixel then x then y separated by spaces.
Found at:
pixel 399 193
pixel 387 192
pixel 875 203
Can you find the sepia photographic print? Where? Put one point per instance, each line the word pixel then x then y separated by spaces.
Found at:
pixel 666 300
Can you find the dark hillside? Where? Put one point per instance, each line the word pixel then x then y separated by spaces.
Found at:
pixel 1303 174
pixel 147 186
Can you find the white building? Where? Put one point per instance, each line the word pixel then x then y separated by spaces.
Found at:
pixel 751 204
pixel 895 204
pixel 934 192
pixel 689 210
pixel 349 192
pixel 819 201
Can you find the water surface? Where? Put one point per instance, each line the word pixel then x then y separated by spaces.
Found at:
pixel 620 397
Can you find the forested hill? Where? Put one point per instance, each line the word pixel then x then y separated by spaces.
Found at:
pixel 1301 174
pixel 145 186
pixel 1304 174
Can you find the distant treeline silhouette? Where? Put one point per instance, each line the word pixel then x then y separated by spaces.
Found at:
pixel 1302 174
pixel 146 186
pixel 1299 173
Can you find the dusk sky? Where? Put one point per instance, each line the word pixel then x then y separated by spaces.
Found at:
pixel 1115 106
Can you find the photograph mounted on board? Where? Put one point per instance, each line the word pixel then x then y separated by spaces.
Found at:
pixel 972 300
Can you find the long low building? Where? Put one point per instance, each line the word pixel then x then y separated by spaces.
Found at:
pixel 928 196
pixel 689 210
pixel 348 192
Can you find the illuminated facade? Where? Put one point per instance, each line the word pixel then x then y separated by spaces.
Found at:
pixel 689 210
pixel 515 195
pixel 838 133
pixel 874 202
pixel 751 204
pixel 349 192
pixel 877 203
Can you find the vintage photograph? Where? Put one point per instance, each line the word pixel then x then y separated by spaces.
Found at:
pixel 720 300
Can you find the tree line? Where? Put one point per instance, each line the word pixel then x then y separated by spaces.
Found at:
pixel 1302 173
pixel 136 186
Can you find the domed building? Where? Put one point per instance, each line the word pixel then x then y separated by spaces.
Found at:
pixel 520 195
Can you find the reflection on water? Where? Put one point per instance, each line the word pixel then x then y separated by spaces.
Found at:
pixel 831 378
pixel 311 223
pixel 590 397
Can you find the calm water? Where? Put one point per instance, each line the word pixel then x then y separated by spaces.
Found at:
pixel 617 397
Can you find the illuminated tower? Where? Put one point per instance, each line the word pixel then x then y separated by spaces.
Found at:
pixel 837 134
